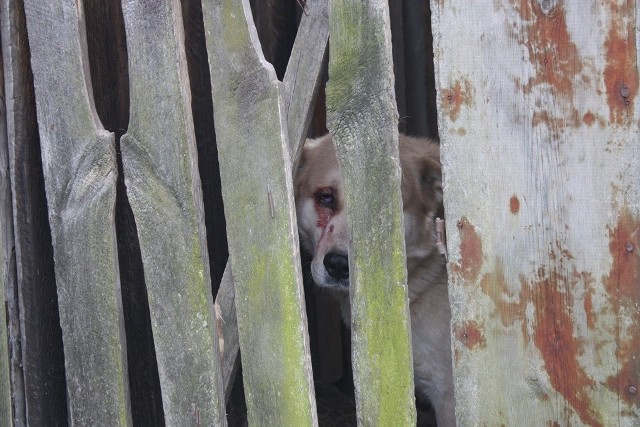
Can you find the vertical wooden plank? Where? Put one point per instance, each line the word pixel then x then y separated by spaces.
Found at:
pixel 363 120
pixel 107 47
pixel 261 224
pixel 304 71
pixel 539 123
pixel 7 260
pixel 79 166
pixel 38 374
pixel 163 184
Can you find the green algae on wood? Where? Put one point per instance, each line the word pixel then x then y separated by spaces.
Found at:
pixel 163 185
pixel 363 119
pixel 255 167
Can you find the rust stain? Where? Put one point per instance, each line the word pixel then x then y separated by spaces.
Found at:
pixel 471 256
pixel 453 98
pixel 551 291
pixel 624 292
pixel 621 74
pixel 508 308
pixel 550 47
pixel 589 118
pixel 556 125
pixel 514 204
pixel 553 336
pixel 471 334
pixel 588 309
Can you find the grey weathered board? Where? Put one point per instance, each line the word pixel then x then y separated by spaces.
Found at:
pixel 538 106
pixel 7 261
pixel 79 164
pixel 255 167
pixel 161 173
pixel 302 78
pixel 301 82
pixel 37 360
pixel 363 120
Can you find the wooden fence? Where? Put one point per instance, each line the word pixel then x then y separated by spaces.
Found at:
pixel 122 308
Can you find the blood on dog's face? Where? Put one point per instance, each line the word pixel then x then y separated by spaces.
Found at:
pixel 322 221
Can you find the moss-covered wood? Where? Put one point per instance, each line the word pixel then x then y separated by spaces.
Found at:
pixel 79 165
pixel 363 120
pixel 256 177
pixel 163 185
pixel 539 126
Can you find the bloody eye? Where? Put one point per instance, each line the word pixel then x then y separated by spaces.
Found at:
pixel 326 198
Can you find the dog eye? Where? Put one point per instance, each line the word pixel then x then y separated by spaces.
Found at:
pixel 326 198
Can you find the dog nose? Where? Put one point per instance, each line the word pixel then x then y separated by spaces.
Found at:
pixel 337 265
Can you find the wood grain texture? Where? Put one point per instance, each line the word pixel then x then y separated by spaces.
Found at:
pixel 539 126
pixel 261 226
pixel 38 373
pixel 163 185
pixel 7 261
pixel 363 120
pixel 304 72
pixel 79 166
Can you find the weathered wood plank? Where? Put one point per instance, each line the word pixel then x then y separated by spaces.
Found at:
pixel 38 374
pixel 304 71
pixel 363 120
pixel 261 226
pixel 5 382
pixel 539 124
pixel 79 166
pixel 163 184
pixel 7 260
pixel 228 328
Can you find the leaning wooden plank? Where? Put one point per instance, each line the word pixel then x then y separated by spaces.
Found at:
pixel 79 165
pixel 539 123
pixel 228 330
pixel 36 337
pixel 258 198
pixel 363 120
pixel 7 262
pixel 6 418
pixel 161 173
pixel 304 71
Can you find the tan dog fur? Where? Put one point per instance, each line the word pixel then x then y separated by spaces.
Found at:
pixel 322 225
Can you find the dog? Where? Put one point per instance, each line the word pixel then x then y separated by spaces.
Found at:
pixel 322 226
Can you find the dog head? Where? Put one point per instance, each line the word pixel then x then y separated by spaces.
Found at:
pixel 322 220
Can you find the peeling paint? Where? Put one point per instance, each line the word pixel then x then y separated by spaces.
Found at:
pixel 553 331
pixel 621 74
pixel 453 98
pixel 560 348
pixel 550 47
pixel 471 256
pixel 624 292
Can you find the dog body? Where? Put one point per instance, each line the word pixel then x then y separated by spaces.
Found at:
pixel 322 225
